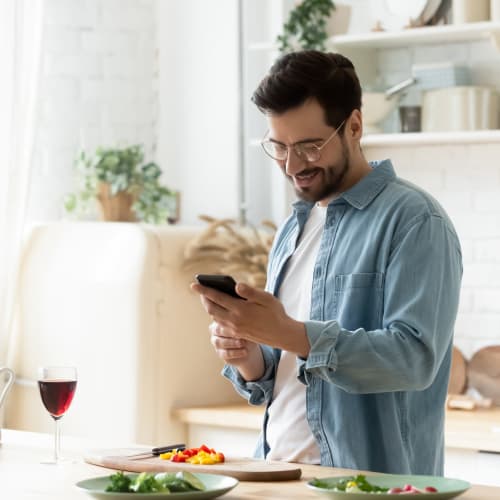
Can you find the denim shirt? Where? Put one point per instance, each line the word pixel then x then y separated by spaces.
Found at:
pixel 384 300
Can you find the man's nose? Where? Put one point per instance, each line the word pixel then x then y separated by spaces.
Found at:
pixel 293 162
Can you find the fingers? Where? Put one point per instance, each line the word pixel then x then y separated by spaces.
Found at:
pixel 227 347
pixel 212 308
pixel 253 294
pixel 224 338
pixel 227 343
pixel 231 356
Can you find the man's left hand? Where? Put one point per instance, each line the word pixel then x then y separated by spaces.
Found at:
pixel 260 318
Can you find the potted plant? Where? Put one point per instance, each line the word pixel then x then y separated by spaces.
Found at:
pixel 306 26
pixel 125 189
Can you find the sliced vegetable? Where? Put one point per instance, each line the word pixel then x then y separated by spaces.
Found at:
pixel 155 483
pixel 201 456
pixel 359 483
pixel 119 482
pixel 147 483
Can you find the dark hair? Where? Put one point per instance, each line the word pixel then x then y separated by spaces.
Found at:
pixel 298 76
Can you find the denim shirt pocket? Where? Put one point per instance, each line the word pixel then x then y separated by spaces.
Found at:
pixel 359 300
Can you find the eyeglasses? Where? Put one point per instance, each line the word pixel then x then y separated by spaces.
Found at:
pixel 307 151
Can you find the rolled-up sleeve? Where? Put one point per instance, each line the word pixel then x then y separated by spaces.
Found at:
pixel 259 391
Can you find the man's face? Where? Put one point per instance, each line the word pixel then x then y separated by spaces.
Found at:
pixel 323 179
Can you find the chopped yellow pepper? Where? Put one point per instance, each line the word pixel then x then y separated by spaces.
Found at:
pixel 201 456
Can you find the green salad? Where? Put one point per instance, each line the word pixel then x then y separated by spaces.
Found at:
pixel 155 483
pixel 349 485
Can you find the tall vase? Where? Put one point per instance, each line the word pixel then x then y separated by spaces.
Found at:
pixel 115 208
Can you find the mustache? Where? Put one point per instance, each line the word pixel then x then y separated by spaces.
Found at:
pixel 306 171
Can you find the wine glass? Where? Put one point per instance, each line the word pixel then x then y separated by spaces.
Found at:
pixel 57 386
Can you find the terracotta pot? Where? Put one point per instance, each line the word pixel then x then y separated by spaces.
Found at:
pixel 117 208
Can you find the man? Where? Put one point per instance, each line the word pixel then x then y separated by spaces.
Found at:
pixel 350 347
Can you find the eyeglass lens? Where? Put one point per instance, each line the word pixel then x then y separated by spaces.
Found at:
pixel 309 152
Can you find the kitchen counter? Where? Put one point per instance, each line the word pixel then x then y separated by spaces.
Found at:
pixel 25 478
pixel 466 429
pixel 473 429
pixel 468 434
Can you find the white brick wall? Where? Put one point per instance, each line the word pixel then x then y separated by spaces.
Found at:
pixel 466 181
pixel 97 88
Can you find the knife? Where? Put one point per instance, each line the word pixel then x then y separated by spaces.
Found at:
pixel 154 452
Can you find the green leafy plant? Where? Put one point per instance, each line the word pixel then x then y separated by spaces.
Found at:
pixel 306 26
pixel 121 169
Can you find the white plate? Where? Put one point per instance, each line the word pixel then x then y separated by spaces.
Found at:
pixel 447 488
pixel 216 486
pixel 396 15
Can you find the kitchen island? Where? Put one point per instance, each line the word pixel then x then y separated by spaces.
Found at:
pixel 472 438
pixel 25 478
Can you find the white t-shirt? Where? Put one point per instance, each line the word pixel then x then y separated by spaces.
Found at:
pixel 288 433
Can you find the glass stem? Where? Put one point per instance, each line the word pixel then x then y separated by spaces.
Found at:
pixel 57 441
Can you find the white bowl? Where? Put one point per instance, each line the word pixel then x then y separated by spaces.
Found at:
pixel 375 109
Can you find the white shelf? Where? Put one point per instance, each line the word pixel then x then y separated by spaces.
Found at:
pixel 449 33
pixel 424 35
pixel 432 138
pixel 423 138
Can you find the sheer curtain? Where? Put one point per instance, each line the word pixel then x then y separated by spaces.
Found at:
pixel 21 26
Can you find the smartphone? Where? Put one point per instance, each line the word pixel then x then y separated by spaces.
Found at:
pixel 222 282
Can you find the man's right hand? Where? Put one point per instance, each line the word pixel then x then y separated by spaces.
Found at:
pixel 243 354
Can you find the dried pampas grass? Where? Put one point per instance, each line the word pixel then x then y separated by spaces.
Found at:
pixel 226 247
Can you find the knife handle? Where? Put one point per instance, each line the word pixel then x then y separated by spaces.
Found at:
pixel 164 449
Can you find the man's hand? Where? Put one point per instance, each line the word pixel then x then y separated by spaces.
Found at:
pixel 260 319
pixel 244 355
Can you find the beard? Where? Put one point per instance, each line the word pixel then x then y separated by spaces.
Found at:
pixel 332 183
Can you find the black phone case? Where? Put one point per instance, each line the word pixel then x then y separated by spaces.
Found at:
pixel 222 282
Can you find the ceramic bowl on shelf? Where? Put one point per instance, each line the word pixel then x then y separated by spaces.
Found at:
pixel 376 108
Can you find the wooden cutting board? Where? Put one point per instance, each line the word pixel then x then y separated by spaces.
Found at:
pixel 244 469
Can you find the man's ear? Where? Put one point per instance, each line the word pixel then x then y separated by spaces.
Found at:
pixel 354 129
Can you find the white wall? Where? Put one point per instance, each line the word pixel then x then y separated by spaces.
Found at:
pixel 198 85
pixel 98 88
pixel 157 72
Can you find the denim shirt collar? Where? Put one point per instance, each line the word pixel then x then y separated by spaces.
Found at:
pixel 362 193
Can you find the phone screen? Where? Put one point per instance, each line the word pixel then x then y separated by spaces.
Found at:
pixel 222 282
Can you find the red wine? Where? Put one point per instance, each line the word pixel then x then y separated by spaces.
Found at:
pixel 57 395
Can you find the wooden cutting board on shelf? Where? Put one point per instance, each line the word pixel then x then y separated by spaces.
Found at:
pixel 244 469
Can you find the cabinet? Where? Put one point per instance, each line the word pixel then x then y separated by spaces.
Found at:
pixel 474 466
